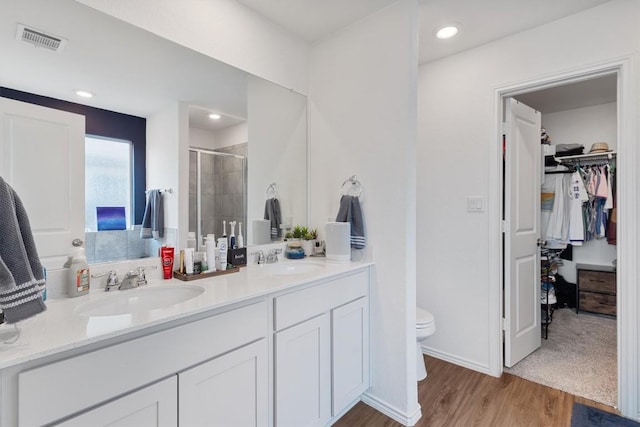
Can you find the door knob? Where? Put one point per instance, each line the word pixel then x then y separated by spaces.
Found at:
pixel 541 242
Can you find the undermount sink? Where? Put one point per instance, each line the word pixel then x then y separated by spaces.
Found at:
pixel 138 300
pixel 291 268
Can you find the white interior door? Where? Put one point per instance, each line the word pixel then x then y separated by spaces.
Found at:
pixel 522 229
pixel 42 158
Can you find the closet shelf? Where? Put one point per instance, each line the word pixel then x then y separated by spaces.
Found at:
pixel 585 158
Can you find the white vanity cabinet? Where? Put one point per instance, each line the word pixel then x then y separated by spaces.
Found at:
pixel 321 336
pixel 230 390
pixel 225 349
pixel 153 406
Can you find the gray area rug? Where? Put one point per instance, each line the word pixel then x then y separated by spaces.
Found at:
pixel 579 357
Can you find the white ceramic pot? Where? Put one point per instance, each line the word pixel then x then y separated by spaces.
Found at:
pixel 308 246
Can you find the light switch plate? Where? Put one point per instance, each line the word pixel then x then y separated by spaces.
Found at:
pixel 475 204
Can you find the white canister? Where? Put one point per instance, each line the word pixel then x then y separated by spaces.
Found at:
pixel 261 231
pixel 338 241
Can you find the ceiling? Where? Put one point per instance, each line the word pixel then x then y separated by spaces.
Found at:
pixel 103 54
pixel 482 21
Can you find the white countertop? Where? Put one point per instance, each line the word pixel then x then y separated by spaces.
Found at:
pixel 61 328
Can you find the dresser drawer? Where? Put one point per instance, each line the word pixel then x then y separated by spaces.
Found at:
pixel 598 303
pixel 597 281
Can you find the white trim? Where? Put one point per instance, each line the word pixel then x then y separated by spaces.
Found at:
pixel 459 361
pixel 391 411
pixel 627 276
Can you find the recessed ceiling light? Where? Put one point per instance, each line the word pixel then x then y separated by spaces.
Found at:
pixel 84 93
pixel 214 116
pixel 447 32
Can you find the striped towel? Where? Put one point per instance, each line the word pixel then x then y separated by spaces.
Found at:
pixel 350 211
pixel 272 213
pixel 21 274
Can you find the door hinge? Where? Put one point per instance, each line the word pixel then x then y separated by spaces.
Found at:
pixel 503 226
pixel 503 324
pixel 505 128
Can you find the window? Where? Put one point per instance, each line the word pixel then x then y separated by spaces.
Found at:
pixel 108 178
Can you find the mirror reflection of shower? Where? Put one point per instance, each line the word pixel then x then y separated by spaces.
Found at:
pixel 217 190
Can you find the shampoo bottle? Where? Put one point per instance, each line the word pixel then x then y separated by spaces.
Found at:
pixel 79 278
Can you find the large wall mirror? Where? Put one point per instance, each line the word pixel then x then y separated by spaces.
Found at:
pixel 258 138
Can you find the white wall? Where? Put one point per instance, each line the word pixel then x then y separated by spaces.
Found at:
pixel 585 126
pixel 457 113
pixel 362 112
pixel 226 137
pixel 162 150
pixel 222 29
pixel 277 151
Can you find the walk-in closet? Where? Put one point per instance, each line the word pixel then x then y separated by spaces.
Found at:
pixel 578 239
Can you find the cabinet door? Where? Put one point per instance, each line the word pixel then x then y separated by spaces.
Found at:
pixel 230 390
pixel 303 374
pixel 350 344
pixel 42 158
pixel 152 406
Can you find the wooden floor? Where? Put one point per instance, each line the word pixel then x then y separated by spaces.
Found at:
pixel 456 396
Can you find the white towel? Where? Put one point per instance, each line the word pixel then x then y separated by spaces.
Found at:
pixel 21 274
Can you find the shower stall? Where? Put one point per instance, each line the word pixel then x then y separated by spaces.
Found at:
pixel 217 190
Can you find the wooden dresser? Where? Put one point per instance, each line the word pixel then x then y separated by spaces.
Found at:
pixel 596 289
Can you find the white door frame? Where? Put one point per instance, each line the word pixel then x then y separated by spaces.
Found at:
pixel 627 211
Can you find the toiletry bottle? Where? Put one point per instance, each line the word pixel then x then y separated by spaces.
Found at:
pixel 210 247
pixel 167 261
pixel 205 263
pixel 191 239
pixel 240 238
pixel 222 246
pixel 79 278
pixel 188 260
pixel 224 229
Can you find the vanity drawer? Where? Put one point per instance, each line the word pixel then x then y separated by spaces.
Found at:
pixel 298 306
pixel 597 281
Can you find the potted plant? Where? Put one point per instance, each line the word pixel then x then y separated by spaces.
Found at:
pixel 309 240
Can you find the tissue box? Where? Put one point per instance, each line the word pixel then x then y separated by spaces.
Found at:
pixel 237 257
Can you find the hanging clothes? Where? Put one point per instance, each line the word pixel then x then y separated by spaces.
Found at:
pixel 556 202
pixel 579 196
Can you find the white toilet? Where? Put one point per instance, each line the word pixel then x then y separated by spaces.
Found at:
pixel 425 327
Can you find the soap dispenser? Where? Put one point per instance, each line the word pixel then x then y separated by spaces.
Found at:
pixel 78 279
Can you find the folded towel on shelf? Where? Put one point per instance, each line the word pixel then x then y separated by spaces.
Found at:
pixel 350 211
pixel 21 274
pixel 272 213
pixel 153 219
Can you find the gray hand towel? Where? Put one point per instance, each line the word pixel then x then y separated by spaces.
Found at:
pixel 350 211
pixel 272 213
pixel 21 274
pixel 153 218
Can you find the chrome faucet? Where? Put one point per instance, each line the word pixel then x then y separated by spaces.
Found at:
pixel 259 256
pixel 130 280
pixel 112 280
pixel 272 256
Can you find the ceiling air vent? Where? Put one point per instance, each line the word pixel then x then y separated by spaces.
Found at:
pixel 40 38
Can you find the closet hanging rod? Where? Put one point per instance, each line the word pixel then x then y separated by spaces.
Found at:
pixel 164 190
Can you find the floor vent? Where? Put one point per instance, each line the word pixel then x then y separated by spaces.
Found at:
pixel 40 38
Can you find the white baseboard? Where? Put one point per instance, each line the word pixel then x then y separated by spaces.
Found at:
pixel 465 363
pixel 391 411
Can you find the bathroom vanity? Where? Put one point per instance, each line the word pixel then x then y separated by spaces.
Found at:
pixel 285 344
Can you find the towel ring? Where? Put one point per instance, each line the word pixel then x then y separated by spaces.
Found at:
pixel 351 187
pixel 272 191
